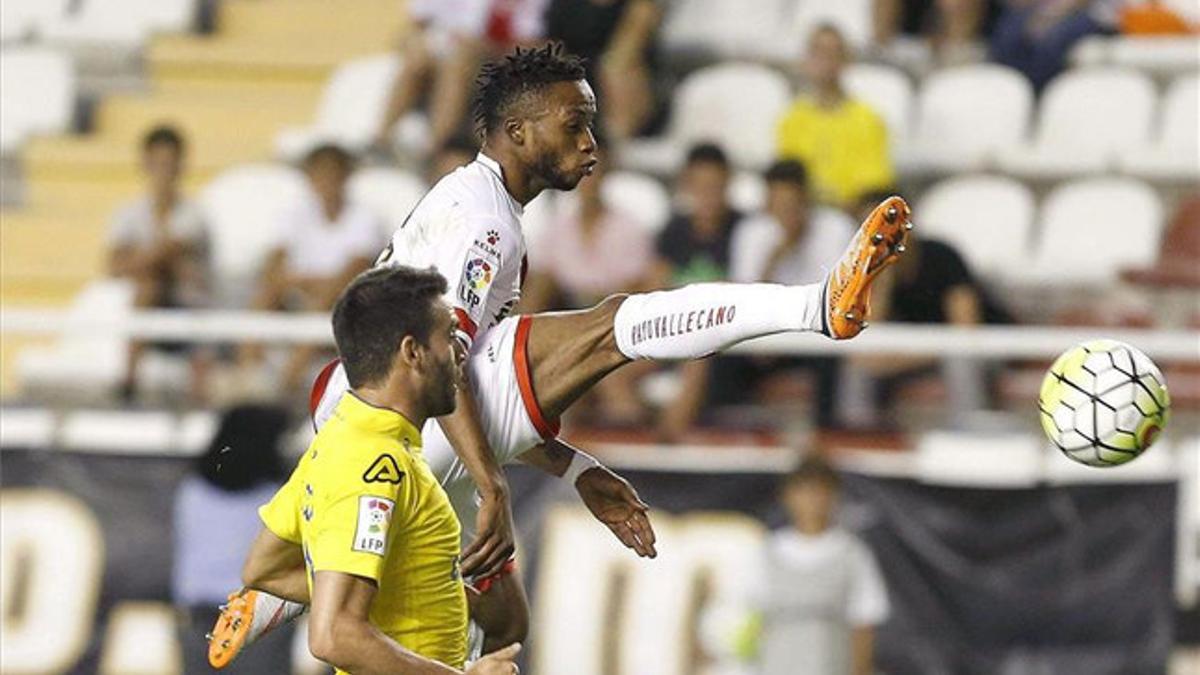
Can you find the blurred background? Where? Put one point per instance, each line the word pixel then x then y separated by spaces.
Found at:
pixel 187 184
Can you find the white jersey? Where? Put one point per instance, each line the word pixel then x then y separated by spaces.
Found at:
pixel 468 227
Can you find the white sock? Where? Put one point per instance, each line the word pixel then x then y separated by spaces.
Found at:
pixel 698 320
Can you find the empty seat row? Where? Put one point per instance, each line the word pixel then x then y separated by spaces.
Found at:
pixel 961 119
pixel 125 23
pixel 1085 231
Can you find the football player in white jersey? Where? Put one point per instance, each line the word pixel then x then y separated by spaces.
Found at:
pixel 534 110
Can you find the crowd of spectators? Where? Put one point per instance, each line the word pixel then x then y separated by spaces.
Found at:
pixel 833 164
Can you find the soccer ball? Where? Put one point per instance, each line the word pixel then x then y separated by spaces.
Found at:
pixel 1103 403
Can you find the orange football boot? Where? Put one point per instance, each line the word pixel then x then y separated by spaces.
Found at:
pixel 247 616
pixel 878 243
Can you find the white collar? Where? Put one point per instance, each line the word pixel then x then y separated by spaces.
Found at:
pixel 494 166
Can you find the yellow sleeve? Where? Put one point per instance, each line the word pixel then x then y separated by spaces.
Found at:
pixel 364 503
pixel 281 515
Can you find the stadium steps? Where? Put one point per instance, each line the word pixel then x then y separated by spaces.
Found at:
pixel 280 40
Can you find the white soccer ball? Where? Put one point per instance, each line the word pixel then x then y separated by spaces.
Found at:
pixel 1103 403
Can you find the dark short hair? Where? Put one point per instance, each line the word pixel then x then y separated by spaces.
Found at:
pixel 163 135
pixel 812 469
pixel 707 152
pixel 376 311
pixel 245 452
pixel 330 151
pixel 502 82
pixel 789 171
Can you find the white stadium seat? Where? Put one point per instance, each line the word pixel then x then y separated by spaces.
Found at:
pixel 82 361
pixel 1175 152
pixel 1158 54
pixel 243 206
pixel 351 108
pixel 729 29
pixel 1093 228
pixel 736 105
pixel 988 219
pixel 964 116
pixel 638 196
pixel 1087 118
pixel 888 91
pixel 125 23
pixel 23 19
pixel 390 193
pixel 748 191
pixel 39 88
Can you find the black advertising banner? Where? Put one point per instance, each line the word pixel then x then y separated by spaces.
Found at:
pixel 1063 580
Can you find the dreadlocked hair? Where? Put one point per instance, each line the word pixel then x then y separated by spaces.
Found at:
pixel 502 82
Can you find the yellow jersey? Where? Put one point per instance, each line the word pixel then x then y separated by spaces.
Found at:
pixel 363 501
pixel 844 148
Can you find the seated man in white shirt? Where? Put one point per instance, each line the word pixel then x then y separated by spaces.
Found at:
pixel 820 594
pixel 323 241
pixel 159 242
pixel 794 241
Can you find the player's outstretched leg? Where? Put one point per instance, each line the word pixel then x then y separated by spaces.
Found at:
pixel 568 352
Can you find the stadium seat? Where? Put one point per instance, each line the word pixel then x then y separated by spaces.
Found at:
pixel 1087 118
pixel 1090 229
pixel 351 107
pixel 748 191
pixel 243 206
pixel 638 196
pixel 964 115
pixel 888 91
pixel 1175 154
pixel 728 29
pixel 735 104
pixel 24 19
pixel 390 193
pixel 1157 54
pixel 121 23
pixel 987 218
pixel 81 362
pixel 26 428
pixel 39 95
pixel 1178 254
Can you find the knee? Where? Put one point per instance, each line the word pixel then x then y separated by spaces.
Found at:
pixel 516 628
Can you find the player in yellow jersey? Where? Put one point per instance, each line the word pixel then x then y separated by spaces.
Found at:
pixel 379 538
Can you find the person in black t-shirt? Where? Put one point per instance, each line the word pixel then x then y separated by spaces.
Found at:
pixel 932 284
pixel 693 248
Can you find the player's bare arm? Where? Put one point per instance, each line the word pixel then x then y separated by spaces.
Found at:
pixel 493 543
pixel 340 633
pixel 277 567
pixel 610 498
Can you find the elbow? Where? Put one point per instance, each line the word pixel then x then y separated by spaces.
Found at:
pixel 322 645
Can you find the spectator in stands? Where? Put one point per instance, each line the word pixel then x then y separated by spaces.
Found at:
pixel 617 39
pixel 841 140
pixel 1035 36
pixel 819 593
pixel 587 253
pixel 160 243
pixel 931 284
pixel 441 58
pixel 792 242
pixel 694 247
pixel 215 520
pixel 323 242
pixel 456 152
pixel 919 34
